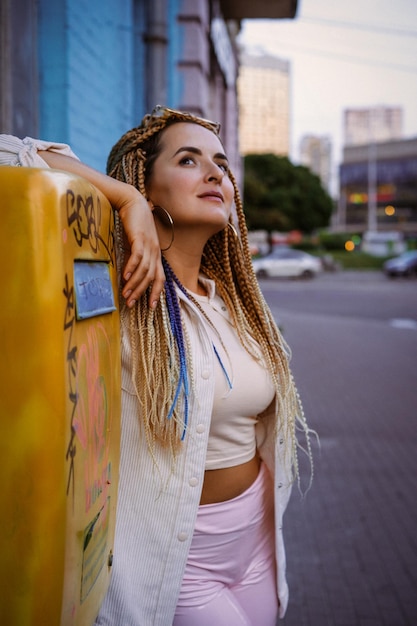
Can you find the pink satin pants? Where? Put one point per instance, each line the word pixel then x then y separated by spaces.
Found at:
pixel 230 577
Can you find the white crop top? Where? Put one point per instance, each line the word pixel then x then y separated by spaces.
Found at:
pixel 235 410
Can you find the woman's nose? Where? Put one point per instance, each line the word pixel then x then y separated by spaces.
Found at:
pixel 215 172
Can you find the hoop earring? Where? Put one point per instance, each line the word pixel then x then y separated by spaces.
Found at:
pixel 166 220
pixel 233 229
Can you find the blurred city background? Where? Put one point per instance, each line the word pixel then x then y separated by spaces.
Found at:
pixel 328 92
pixel 318 106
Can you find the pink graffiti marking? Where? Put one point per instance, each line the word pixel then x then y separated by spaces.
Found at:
pixel 92 421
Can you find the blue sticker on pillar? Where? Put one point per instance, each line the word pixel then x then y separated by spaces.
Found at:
pixel 93 289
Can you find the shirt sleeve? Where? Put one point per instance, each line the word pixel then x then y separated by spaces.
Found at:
pixel 24 152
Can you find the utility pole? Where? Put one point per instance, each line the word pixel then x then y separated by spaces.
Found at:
pixel 372 177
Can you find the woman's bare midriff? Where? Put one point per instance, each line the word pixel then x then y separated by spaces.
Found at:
pixel 224 484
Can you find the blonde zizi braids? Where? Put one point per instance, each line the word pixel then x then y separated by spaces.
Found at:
pixel 156 356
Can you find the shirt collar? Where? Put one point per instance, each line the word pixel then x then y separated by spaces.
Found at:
pixel 209 285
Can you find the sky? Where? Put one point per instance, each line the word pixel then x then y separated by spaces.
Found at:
pixel 343 54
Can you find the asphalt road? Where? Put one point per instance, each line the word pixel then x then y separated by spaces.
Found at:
pixel 352 540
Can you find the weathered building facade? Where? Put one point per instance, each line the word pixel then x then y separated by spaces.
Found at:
pixel 85 71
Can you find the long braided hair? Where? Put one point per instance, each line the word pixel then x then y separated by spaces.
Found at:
pixel 161 362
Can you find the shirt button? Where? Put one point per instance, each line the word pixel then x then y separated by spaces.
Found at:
pixel 205 374
pixel 193 482
pixel 182 536
pixel 200 428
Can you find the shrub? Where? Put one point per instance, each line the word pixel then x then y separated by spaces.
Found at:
pixel 334 241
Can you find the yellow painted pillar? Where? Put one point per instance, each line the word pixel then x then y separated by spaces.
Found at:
pixel 59 398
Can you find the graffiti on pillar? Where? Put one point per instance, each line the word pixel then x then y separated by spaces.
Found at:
pixel 92 418
pixel 94 549
pixel 86 354
pixel 71 357
pixel 89 399
pixel 84 216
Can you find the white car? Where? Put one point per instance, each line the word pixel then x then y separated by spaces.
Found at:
pixel 287 263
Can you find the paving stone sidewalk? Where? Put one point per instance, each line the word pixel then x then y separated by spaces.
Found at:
pixel 352 541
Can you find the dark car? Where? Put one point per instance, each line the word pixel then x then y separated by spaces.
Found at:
pixel 403 265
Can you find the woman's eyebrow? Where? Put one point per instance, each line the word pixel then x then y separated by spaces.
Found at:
pixel 194 150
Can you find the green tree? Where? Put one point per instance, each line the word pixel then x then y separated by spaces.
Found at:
pixel 281 196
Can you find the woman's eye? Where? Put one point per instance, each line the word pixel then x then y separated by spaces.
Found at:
pixel 223 166
pixel 186 161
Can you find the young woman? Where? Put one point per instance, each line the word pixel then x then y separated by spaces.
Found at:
pixel 209 407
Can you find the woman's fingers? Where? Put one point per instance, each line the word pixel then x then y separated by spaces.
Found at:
pixel 144 266
pixel 143 269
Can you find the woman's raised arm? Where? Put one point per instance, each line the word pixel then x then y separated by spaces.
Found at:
pixel 144 265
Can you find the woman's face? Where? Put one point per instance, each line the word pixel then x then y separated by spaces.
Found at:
pixel 189 179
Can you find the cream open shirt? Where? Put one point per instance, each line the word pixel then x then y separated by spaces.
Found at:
pixel 157 508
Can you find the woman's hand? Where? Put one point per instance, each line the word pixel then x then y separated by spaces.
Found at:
pixel 144 266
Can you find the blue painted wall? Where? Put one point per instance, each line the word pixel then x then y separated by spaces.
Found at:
pixel 87 74
pixel 53 71
pixel 93 72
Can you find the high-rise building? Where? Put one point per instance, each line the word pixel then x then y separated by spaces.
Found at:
pixel 316 154
pixel 379 193
pixel 264 105
pixel 372 124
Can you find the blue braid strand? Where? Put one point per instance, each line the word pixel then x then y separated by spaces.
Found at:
pixel 174 315
pixel 229 382
pixel 176 327
pixel 184 291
